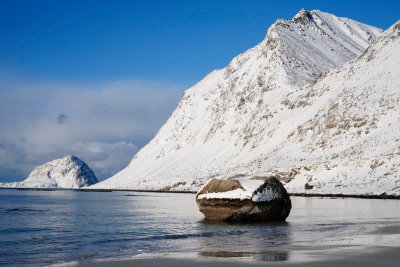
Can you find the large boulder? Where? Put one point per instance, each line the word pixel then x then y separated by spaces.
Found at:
pixel 244 199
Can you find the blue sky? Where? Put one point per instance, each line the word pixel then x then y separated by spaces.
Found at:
pixel 92 41
pixel 98 78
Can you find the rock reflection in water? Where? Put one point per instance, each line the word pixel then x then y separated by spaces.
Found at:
pixel 257 241
pixel 272 256
pixel 262 256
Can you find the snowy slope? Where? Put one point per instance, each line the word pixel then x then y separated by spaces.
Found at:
pixel 238 119
pixel 67 172
pixel 351 141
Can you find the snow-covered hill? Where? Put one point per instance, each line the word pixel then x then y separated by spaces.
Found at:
pixel 67 172
pixel 247 118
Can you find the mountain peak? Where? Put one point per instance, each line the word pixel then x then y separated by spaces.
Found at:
pixel 313 42
pixel 70 158
pixel 303 14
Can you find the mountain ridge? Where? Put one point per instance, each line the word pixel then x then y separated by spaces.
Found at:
pixel 227 123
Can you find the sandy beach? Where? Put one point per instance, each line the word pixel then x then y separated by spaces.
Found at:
pixel 368 257
pixel 342 256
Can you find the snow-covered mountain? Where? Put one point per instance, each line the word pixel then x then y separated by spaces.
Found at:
pixel 350 140
pixel 67 172
pixel 246 119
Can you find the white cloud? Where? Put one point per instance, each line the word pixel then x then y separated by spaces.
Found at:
pixel 102 124
pixel 108 158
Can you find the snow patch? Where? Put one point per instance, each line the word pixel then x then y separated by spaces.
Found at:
pixel 248 191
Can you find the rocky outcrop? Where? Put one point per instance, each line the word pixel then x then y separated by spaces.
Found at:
pixel 244 199
pixel 67 172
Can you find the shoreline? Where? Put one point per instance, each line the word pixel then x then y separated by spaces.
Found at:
pixel 373 256
pixel 381 196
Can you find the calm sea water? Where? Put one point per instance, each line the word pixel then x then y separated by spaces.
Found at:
pixel 51 227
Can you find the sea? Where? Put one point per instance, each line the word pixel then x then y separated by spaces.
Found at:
pixel 68 227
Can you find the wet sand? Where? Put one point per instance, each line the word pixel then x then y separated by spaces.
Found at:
pixel 369 257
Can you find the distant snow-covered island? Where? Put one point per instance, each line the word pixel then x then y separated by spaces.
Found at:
pixel 68 172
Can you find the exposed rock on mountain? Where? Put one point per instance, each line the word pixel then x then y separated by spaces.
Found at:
pixel 275 110
pixel 67 172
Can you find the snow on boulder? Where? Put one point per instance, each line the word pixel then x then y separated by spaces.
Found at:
pixel 67 172
pixel 247 198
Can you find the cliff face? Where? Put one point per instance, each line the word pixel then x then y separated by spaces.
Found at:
pixel 276 110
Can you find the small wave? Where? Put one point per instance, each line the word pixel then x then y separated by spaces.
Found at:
pixel 177 236
pixel 22 230
pixel 158 237
pixel 140 195
pixel 22 210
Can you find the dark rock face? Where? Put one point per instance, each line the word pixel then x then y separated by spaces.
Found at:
pixel 308 186
pixel 269 202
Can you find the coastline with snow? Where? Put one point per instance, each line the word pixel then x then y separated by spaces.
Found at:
pixel 303 193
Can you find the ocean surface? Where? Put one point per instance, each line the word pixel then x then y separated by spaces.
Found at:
pixel 60 227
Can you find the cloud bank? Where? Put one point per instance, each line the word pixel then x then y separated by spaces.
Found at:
pixel 102 124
